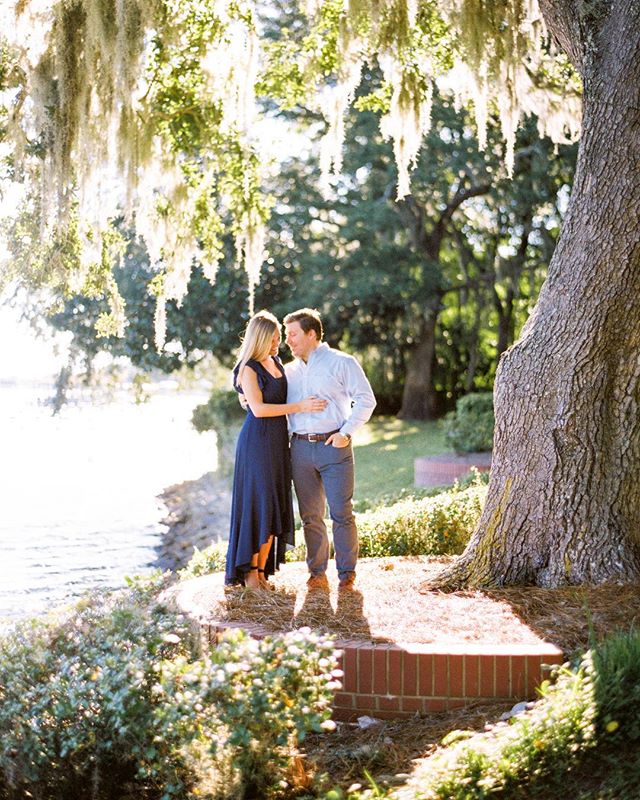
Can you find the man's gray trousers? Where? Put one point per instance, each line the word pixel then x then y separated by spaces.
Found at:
pixel 323 473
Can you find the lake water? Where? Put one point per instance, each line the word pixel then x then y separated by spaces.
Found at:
pixel 78 491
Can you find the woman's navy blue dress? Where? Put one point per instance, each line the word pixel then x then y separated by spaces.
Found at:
pixel 261 504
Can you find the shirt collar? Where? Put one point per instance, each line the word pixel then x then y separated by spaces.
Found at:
pixel 321 348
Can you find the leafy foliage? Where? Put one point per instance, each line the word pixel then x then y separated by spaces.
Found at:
pixel 204 562
pixel 373 266
pixel 544 740
pixel 114 698
pixel 616 663
pixel 430 526
pixel 223 414
pixel 159 92
pixel 221 410
pixel 436 525
pixel 591 708
pixel 470 428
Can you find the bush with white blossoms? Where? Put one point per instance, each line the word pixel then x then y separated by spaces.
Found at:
pixel 255 701
pixel 112 699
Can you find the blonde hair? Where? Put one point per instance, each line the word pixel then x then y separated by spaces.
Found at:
pixel 256 342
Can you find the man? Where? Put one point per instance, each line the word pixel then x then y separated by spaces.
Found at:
pixel 321 452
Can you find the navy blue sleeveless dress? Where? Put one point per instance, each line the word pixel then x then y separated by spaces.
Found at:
pixel 261 504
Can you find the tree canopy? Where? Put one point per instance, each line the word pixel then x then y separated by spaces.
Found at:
pixel 148 108
pixel 470 244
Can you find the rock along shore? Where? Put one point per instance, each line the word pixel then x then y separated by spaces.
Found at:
pixel 197 516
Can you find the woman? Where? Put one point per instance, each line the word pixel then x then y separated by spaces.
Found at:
pixel 261 506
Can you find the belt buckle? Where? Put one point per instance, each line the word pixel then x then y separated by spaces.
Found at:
pixel 313 437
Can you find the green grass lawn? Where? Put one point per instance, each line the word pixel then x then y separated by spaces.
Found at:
pixel 384 452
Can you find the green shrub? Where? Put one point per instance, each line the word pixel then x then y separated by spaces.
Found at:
pixel 204 562
pixel 254 702
pixel 76 703
pixel 431 526
pixel 420 526
pixel 616 664
pixel 223 414
pixel 469 428
pixel 221 411
pixel 591 709
pixel 545 740
pixel 112 699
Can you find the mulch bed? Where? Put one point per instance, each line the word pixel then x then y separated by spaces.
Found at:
pixel 389 750
pixel 388 607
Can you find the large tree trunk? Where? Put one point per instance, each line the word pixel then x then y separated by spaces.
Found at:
pixel 418 397
pixel 564 498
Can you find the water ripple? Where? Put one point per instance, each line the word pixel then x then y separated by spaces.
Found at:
pixel 78 492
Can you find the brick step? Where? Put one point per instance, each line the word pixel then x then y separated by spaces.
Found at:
pixel 397 680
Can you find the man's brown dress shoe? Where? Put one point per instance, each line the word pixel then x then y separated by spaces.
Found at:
pixel 346 583
pixel 318 582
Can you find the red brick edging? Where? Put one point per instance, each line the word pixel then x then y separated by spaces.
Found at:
pixel 446 468
pixel 398 680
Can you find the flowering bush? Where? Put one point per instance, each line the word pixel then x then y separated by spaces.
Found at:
pixel 265 695
pixel 111 699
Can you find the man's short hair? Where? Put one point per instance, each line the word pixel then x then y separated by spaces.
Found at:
pixel 309 320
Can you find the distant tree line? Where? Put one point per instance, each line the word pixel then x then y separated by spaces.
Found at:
pixel 429 291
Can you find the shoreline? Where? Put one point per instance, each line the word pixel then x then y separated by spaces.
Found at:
pixel 197 515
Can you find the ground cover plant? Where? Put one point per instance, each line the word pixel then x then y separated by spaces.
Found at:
pixel 113 699
pixel 583 731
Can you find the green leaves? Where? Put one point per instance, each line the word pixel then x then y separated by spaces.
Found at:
pixel 470 428
pixel 428 526
pixel 114 693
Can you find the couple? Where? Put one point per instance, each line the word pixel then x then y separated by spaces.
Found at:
pixel 326 397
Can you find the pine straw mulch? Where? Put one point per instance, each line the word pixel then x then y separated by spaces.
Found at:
pixel 388 607
pixel 389 750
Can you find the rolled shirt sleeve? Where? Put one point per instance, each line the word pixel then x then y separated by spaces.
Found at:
pixel 359 390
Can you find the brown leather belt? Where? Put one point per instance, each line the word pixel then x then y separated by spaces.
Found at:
pixel 314 437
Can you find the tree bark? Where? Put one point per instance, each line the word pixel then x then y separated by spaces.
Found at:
pixel 419 397
pixel 563 504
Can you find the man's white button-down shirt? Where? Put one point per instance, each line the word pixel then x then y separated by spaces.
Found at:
pixel 333 376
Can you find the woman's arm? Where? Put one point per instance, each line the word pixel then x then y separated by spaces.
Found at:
pixel 253 395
